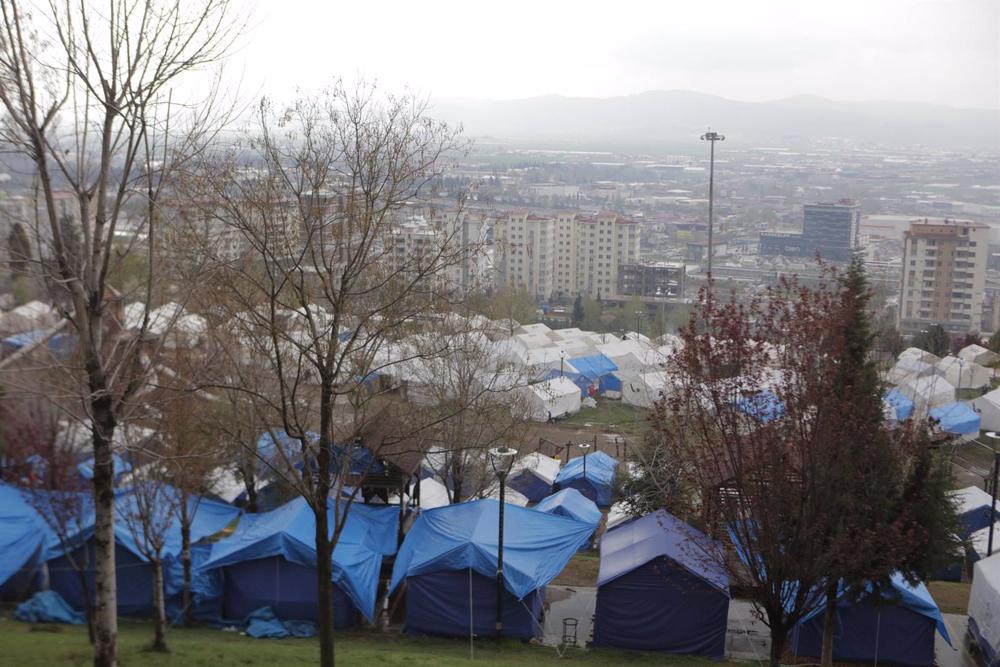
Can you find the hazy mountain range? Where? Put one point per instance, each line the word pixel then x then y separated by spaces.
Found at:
pixel 679 117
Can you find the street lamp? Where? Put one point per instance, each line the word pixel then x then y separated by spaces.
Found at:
pixel 638 316
pixel 711 138
pixel 993 489
pixel 562 360
pixel 502 459
pixel 584 446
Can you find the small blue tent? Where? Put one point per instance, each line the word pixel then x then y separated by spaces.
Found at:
pixel 23 535
pixel 592 475
pixel 764 406
pixel 598 368
pixel 449 559
pixel 270 561
pixel 287 451
pixel 661 587
pixel 894 626
pixel 957 418
pixel 900 403
pixel 570 503
pixel 533 476
pixel 120 465
pixel 134 574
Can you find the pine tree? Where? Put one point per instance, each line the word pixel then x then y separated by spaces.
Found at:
pixel 578 310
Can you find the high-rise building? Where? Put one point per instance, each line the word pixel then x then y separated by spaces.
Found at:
pixel 829 230
pixel 944 275
pixel 564 255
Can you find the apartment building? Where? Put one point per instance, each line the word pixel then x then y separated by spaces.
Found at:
pixel 830 230
pixel 455 241
pixel 943 275
pixel 562 255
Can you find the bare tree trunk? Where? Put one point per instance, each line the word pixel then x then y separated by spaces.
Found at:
pixel 105 586
pixel 324 587
pixel 159 608
pixel 778 637
pixel 829 625
pixel 186 564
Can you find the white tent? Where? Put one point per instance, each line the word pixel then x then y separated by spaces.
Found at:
pixel 532 329
pixel 510 496
pixel 984 608
pixel 32 315
pixel 907 369
pixel 617 515
pixel 540 361
pixel 553 398
pixel 964 374
pixel 988 407
pixel 644 389
pixel 432 494
pixel 225 484
pixel 537 464
pixel 978 354
pixel 919 355
pixel 533 341
pixel 981 538
pixel 927 393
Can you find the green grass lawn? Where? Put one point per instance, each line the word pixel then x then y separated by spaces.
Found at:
pixel 951 596
pixel 48 646
pixel 611 414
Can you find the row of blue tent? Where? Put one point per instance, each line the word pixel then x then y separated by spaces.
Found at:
pixel 955 418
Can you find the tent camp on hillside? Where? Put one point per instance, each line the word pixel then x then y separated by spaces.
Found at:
pixel 552 399
pixel 661 587
pixel 449 564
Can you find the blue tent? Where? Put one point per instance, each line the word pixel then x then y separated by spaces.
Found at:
pixel 120 465
pixel 288 451
pixel 661 587
pixel 764 406
pixel 894 626
pixel 594 367
pixel 134 574
pixel 18 341
pixel 449 559
pixel 23 535
pixel 899 402
pixel 957 418
pixel 270 561
pixel 593 476
pixel 570 503
pixel 609 383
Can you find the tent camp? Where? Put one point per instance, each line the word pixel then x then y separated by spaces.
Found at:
pixel 957 419
pixel 895 626
pixel 570 503
pixel 593 475
pixel 552 399
pixel 927 393
pixel 978 354
pixel 270 561
pixel 661 587
pixel 599 370
pixel 919 355
pixel 762 406
pixel 449 561
pixel 988 407
pixel 984 609
pixel 23 535
pixel 908 368
pixel 964 374
pixel 581 382
pixel 644 390
pixel 897 405
pixel 134 574
pixel 533 475
pixel 972 505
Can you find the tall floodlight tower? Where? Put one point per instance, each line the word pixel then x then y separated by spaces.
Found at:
pixel 711 137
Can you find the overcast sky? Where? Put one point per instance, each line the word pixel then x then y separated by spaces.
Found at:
pixel 939 51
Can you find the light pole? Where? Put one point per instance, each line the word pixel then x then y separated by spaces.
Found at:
pixel 711 138
pixel 638 317
pixel 562 360
pixel 501 458
pixel 584 446
pixel 993 490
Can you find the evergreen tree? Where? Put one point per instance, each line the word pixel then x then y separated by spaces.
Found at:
pixel 934 339
pixel 18 248
pixel 578 311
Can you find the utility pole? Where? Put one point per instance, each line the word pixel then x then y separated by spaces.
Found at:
pixel 711 138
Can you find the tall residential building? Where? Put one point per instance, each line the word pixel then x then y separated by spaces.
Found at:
pixel 456 242
pixel 564 254
pixel 944 275
pixel 830 230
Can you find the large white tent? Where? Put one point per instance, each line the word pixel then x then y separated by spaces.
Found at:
pixel 30 316
pixel 964 374
pixel 928 392
pixel 988 407
pixel 553 398
pixel 978 354
pixel 644 389
pixel 919 355
pixel 908 368
pixel 984 609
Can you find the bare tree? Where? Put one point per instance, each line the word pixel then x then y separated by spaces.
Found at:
pixel 89 103
pixel 322 287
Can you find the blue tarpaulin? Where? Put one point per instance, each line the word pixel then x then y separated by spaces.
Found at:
pixel 570 503
pixel 576 378
pixel 900 403
pixel 454 539
pixel 661 587
pixel 594 367
pixel 284 539
pixel 121 466
pixel 23 535
pixel 287 451
pixel 263 623
pixel 47 607
pixel 895 626
pixel 764 406
pixel 17 341
pixel 599 481
pixel 957 418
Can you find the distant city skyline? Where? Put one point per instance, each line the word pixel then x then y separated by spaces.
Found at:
pixel 932 51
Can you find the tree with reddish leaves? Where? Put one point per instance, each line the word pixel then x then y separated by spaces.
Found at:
pixel 776 422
